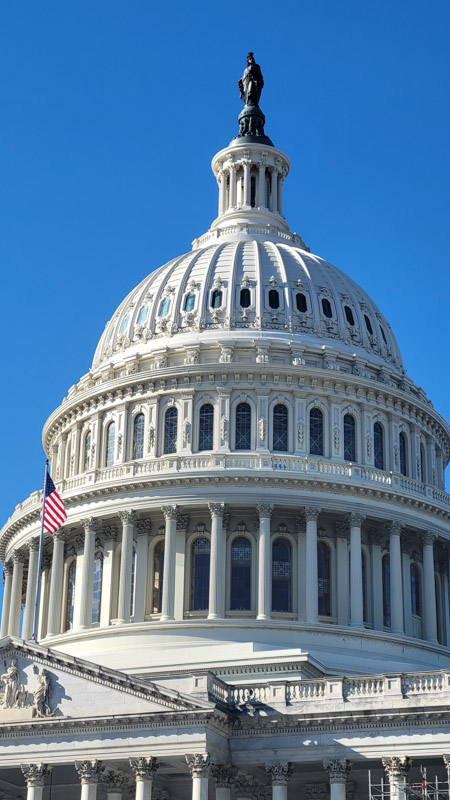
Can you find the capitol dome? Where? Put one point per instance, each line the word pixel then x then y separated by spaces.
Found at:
pixel 257 515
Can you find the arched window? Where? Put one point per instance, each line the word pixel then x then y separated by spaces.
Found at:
pixel 403 448
pixel 274 298
pixel 170 430
pixel 189 301
pixel 416 604
pixel 133 581
pixel 200 574
pixel 326 308
pixel 316 432
pixel 70 596
pixel 300 300
pixel 386 568
pixel 280 428
pixel 378 446
pixel 349 315
pixel 244 298
pixel 216 298
pixel 368 324
pixel 158 574
pixel 323 570
pixel 206 427
pixel 142 316
pixel 124 325
pixel 110 441
pixel 383 334
pixel 349 438
pixel 87 451
pixel 423 476
pixel 281 575
pixel 241 563
pixel 164 307
pixel 138 436
pixel 243 427
pixel 97 595
pixel 364 584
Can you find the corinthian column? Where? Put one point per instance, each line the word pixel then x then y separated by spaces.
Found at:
pixel 89 773
pixel 395 559
pixel 170 541
pixel 224 776
pixel 311 575
pixel 216 569
pixel 199 765
pixel 429 588
pixel 90 526
pixel 356 581
pixel 56 582
pixel 16 593
pixel 30 600
pixel 264 562
pixel 144 770
pixel 35 775
pixel 397 769
pixel 280 775
pixel 338 771
pixel 126 561
pixel 8 571
pixel 116 783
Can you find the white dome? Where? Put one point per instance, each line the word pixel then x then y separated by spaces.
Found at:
pixel 319 307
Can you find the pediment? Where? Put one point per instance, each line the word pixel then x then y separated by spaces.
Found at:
pixel 38 683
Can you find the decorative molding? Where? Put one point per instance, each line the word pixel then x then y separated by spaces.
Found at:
pixel 89 771
pixel 429 538
pixel 396 767
pixel 338 770
pixel 279 773
pixel 35 774
pixel 357 519
pixel 199 764
pixel 170 512
pixel 224 775
pixel 127 516
pixel 144 768
pixel 115 781
pixel 90 523
pixel 217 509
pixel 143 527
pixel 265 510
pixel 312 513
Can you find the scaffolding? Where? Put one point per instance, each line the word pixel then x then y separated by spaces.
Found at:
pixel 424 790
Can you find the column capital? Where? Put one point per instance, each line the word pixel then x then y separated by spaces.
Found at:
pixel 35 774
pixel 312 513
pixel 89 771
pixel 144 768
pixel 8 567
pixel 279 773
pixel 265 510
pixel 59 535
pixel 115 781
pixel 447 763
pixel 216 509
pixel 127 516
pixel 19 557
pixel 356 519
pixel 224 775
pixel 199 764
pixel 33 544
pixel 143 526
pixel 394 528
pixel 396 767
pixel 428 538
pixel 90 524
pixel 338 769
pixel 170 512
pixel 341 529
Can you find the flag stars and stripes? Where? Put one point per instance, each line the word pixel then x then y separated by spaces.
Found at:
pixel 55 514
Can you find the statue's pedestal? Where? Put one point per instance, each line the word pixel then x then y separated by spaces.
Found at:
pixel 251 126
pixel 17 714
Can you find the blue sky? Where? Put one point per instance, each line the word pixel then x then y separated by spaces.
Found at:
pixel 110 115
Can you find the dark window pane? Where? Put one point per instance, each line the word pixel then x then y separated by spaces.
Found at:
pixel 383 334
pixel 386 592
pixel 138 436
pixel 316 432
pixel 244 298
pixel 349 438
pixel 70 597
pixel 158 573
pixel 87 451
pixel 415 591
pixel 403 454
pixel 301 302
pixel 243 427
pixel 281 575
pixel 253 191
pixel 241 561
pixel 216 298
pixel 133 579
pixel 97 595
pixel 274 299
pixel 200 574
pixel 422 464
pixel 378 445
pixel 189 302
pixel 206 427
pixel 368 324
pixel 323 569
pixel 164 308
pixel 110 439
pixel 170 430
pixel 280 428
pixel 326 307
pixel 349 315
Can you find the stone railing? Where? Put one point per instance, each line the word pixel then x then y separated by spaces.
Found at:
pixel 432 687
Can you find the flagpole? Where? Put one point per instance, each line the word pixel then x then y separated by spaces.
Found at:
pixel 41 545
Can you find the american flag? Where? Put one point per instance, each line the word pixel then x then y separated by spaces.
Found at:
pixel 55 513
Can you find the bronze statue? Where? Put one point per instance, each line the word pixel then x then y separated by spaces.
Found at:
pixel 251 83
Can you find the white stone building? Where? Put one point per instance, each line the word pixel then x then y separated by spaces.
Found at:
pixel 250 598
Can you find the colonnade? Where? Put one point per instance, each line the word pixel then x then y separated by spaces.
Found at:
pixel 235 189
pixel 225 778
pixel 348 595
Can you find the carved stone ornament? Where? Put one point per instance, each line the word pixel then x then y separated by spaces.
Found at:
pixel 89 771
pixel 279 773
pixel 90 523
pixel 144 768
pixel 429 538
pixel 338 769
pixel 109 532
pixel 341 529
pixel 396 767
pixel 315 791
pixel 216 509
pixel 262 429
pixel 199 764
pixel 337 437
pixel 170 512
pixel 127 517
pixel 300 432
pixel 143 526
pixel 223 430
pixel 182 522
pixel 395 528
pixel 115 781
pixel 224 775
pixel 186 432
pixel 18 696
pixel 312 513
pixel 264 510
pixel 35 774
pixel 357 519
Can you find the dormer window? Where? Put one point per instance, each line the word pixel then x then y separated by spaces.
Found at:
pixel 142 315
pixel 164 308
pixel 274 299
pixel 349 316
pixel 189 302
pixel 368 324
pixel 300 300
pixel 216 298
pixel 244 298
pixel 326 308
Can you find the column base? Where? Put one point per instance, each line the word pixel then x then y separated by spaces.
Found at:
pixel 215 616
pixel 263 617
pixel 166 619
pixel 359 625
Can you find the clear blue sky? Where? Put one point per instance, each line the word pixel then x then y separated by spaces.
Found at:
pixel 110 114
